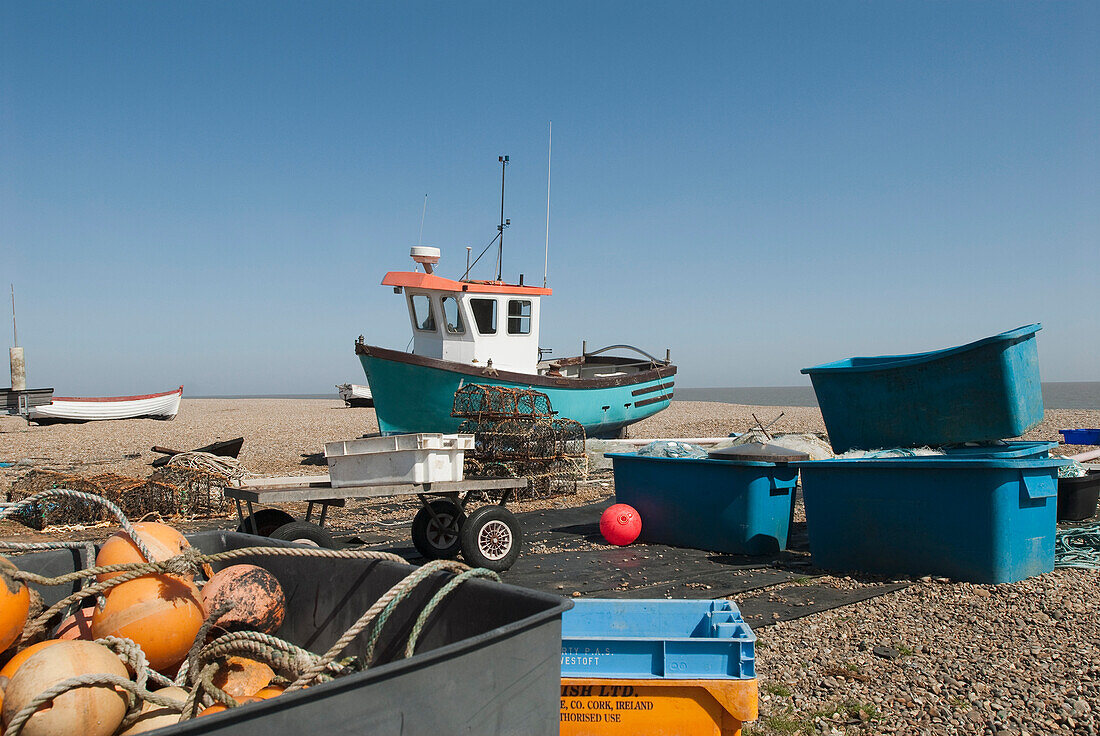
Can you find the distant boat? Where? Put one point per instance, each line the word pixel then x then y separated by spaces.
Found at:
pixel 355 395
pixel 86 409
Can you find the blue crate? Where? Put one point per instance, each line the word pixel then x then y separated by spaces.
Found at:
pixel 985 390
pixel 1002 450
pixel 670 639
pixel 734 506
pixel 1080 436
pixel 981 520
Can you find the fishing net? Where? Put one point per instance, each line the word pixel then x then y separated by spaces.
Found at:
pixel 516 435
pixel 168 491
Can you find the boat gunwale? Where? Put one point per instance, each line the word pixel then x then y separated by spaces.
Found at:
pixel 889 362
pixel 531 379
pixel 118 399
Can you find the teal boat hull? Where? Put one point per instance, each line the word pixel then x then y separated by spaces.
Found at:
pixel 416 394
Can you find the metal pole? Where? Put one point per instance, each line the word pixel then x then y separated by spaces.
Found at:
pixel 500 246
pixel 14 330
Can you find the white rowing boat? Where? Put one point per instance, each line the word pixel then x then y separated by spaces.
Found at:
pixel 86 409
pixel 355 395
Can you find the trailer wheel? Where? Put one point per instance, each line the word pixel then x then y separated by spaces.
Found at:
pixel 267 521
pixel 437 538
pixel 492 538
pixel 304 533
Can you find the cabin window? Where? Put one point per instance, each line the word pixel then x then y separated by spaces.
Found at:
pixel 452 317
pixel 423 317
pixel 485 315
pixel 519 317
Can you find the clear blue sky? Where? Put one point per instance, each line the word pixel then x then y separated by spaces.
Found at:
pixel 209 193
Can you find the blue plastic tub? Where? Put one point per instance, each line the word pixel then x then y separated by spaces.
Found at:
pixel 1080 436
pixel 1002 450
pixel 740 507
pixel 987 390
pixel 671 639
pixel 981 520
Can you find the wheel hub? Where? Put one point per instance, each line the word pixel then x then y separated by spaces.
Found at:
pixel 495 540
pixel 442 532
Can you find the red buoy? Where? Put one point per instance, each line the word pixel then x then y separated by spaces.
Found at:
pixel 620 524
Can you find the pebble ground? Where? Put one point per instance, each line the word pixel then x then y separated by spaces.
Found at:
pixel 934 658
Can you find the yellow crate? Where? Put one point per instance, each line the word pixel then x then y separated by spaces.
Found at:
pixel 602 707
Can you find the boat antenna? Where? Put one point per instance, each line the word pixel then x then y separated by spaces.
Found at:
pixel 423 212
pixel 546 253
pixel 503 223
pixel 14 329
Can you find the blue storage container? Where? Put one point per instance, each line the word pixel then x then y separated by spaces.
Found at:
pixel 981 520
pixel 1003 450
pixel 672 639
pixel 987 390
pixel 735 506
pixel 1080 436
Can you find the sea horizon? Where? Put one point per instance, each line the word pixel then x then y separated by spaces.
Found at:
pixel 1056 395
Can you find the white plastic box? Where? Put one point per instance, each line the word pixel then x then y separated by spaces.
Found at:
pixel 399 458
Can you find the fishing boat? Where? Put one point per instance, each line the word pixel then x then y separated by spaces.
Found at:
pixel 487 332
pixel 86 409
pixel 355 395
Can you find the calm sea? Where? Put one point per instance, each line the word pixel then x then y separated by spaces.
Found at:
pixel 1055 395
pixel 1083 395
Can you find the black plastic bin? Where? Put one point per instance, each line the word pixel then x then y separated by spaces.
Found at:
pixel 487 662
pixel 1077 497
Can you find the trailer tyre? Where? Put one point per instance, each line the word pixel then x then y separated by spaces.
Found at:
pixel 492 538
pixel 438 540
pixel 304 533
pixel 267 521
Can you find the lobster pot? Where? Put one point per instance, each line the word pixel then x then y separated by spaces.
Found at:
pixel 485 638
pixel 496 402
pixel 524 438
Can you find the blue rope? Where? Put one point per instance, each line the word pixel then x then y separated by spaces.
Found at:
pixel 1078 547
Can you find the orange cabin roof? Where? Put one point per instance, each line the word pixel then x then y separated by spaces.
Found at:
pixel 431 281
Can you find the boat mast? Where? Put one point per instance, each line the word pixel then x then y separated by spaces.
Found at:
pixel 503 223
pixel 423 214
pixel 546 253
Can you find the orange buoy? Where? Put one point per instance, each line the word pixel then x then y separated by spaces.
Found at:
pixel 271 691
pixel 91 711
pixel 77 626
pixel 240 676
pixel 161 613
pixel 157 716
pixel 15 604
pixel 162 540
pixel 15 662
pixel 218 707
pixel 253 595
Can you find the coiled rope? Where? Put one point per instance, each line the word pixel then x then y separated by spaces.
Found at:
pixel 1078 547
pixel 230 467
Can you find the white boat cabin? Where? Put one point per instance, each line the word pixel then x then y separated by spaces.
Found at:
pixel 483 323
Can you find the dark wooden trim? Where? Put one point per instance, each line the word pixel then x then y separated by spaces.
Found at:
pixel 654 400
pixel 476 372
pixel 648 389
